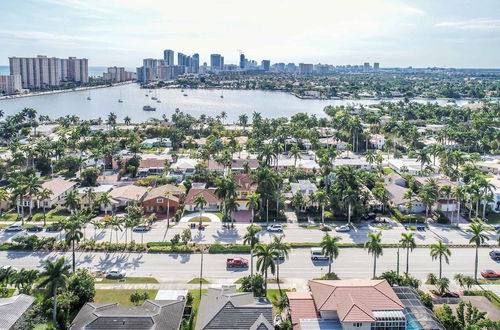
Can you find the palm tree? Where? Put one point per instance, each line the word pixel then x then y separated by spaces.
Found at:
pixel 295 153
pixel 374 247
pixel 446 191
pixel 407 241
pixel 253 203
pixel 282 249
pixel 478 237
pixel 116 224
pixel 251 239
pixel 90 196
pixel 104 200
pixel 73 229
pixel 71 201
pixel 266 256
pixel 4 197
pixel 127 120
pixel 167 195
pixel 439 251
pixel 459 194
pixel 32 189
pixel 231 206
pixel 54 276
pixel 199 203
pixel 409 194
pixel 423 158
pixel 329 247
pixel 322 199
pixel 43 195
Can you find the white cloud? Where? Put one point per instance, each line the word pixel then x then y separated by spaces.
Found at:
pixel 476 24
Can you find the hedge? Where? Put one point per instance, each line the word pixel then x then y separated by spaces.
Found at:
pixel 400 217
pixel 490 295
pixel 219 248
pixel 173 249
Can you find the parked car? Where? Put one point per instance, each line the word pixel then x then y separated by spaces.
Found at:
pixel 237 262
pixel 275 228
pixel 497 227
pixel 34 229
pixel 52 229
pixel 343 229
pixel 450 295
pixel 489 273
pixel 370 216
pixel 317 254
pixel 13 228
pixel 495 254
pixel 115 273
pixel 142 228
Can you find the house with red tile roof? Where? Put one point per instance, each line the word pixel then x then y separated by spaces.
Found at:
pixel 347 305
pixel 246 186
pixel 213 202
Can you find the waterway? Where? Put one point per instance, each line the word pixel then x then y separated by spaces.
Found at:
pixel 197 102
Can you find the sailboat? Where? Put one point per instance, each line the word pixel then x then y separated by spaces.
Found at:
pixel 222 94
pixel 154 97
pixel 88 97
pixel 120 99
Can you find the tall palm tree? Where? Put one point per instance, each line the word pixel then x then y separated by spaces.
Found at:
pixel 459 193
pixel 295 153
pixel 423 158
pixel 32 189
pixel 231 206
pixel 266 256
pixel 282 249
pixel 374 246
pixel 104 200
pixel 440 251
pixel 168 194
pixel 322 199
pixel 90 197
pixel 73 230
pixel 43 195
pixel 407 241
pixel 409 195
pixel 54 276
pixel 199 203
pixel 251 238
pixel 478 237
pixel 253 203
pixel 71 201
pixel 329 247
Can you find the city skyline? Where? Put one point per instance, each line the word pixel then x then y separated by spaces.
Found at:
pixel 395 33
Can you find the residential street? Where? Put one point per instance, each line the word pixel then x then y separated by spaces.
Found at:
pixel 180 268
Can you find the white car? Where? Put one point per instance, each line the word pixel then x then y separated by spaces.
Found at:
pixel 115 273
pixel 343 229
pixel 275 228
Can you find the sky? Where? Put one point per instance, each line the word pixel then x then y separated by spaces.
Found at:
pixel 396 33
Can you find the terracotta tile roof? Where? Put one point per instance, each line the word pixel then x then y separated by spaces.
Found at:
pixel 57 186
pixel 152 162
pixel 354 300
pixel 245 182
pixel 440 181
pixel 301 306
pixel 162 190
pixel 208 194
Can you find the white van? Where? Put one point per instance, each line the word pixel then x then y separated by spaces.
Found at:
pixel 317 254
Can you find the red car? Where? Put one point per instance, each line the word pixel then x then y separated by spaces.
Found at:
pixel 237 262
pixel 490 274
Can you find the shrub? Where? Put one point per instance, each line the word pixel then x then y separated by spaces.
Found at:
pixel 253 284
pixel 219 248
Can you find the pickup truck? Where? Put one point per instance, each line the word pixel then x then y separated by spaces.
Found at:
pixel 236 263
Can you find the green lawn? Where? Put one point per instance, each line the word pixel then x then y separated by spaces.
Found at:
pixel 387 170
pixel 485 281
pixel 9 217
pixel 196 301
pixel 197 280
pixel 120 296
pixel 130 280
pixel 493 218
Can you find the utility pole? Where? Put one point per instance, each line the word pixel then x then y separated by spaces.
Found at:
pixel 201 268
pixel 397 271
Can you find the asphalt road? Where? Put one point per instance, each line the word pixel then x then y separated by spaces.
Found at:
pixel 180 268
pixel 215 233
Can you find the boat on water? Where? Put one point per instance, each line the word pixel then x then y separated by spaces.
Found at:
pixel 182 90
pixel 185 94
pixel 158 101
pixel 88 97
pixel 148 108
pixel 154 98
pixel 120 99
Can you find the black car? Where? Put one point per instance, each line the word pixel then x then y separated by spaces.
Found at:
pixel 34 229
pixel 495 254
pixel 52 228
pixel 370 216
pixel 450 295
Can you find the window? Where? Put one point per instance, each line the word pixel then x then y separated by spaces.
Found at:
pixel 45 203
pixel 159 200
pixel 357 324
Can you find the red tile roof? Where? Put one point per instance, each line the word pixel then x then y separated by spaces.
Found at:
pixel 208 194
pixel 301 306
pixel 245 182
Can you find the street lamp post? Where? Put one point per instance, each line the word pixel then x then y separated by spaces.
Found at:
pixel 201 268
pixel 397 270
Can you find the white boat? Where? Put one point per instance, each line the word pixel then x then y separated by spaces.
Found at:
pixel 88 97
pixel 148 108
pixel 158 101
pixel 120 99
pixel 185 94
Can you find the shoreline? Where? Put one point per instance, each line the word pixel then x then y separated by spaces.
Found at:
pixel 59 91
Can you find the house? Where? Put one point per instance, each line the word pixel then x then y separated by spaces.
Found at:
pixel 444 203
pixel 12 311
pixel 357 163
pixel 494 204
pixel 213 202
pixel 377 140
pixel 183 167
pixel 45 130
pixel 305 162
pixel 405 165
pixel 156 143
pixel 151 166
pixel 327 142
pixel 163 198
pixel 489 166
pixel 395 186
pixel 59 188
pixel 246 186
pixel 225 308
pixel 152 315
pixel 98 191
pixel 126 195
pixel 237 165
pixel 347 304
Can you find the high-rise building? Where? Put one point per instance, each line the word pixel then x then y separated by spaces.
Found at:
pixel 366 67
pixel 305 68
pixel 168 55
pixel 78 70
pixel 36 72
pixel 216 62
pixel 266 65
pixel 195 63
pixel 376 67
pixel 291 68
pixel 10 84
pixel 115 74
pixel 242 61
